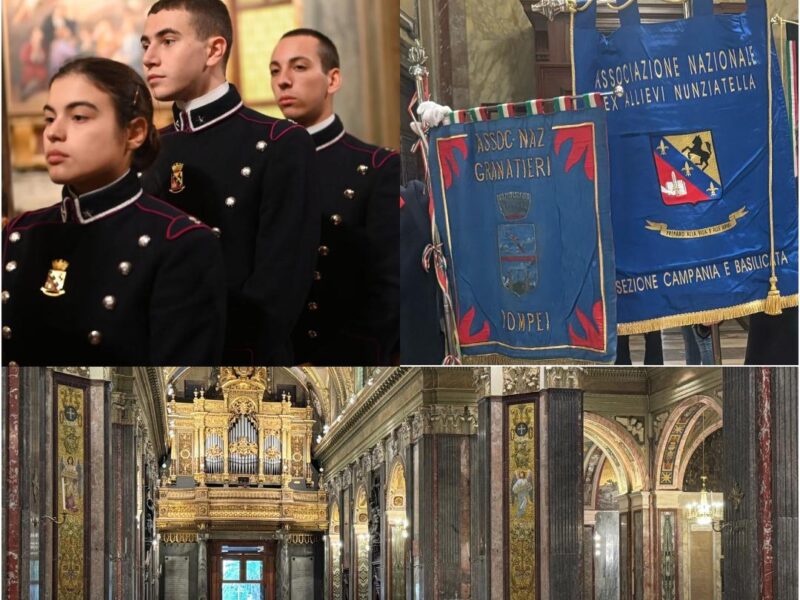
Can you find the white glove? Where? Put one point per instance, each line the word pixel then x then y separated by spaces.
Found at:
pixel 432 114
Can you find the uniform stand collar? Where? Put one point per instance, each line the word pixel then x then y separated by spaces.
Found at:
pixel 102 202
pixel 329 135
pixel 200 117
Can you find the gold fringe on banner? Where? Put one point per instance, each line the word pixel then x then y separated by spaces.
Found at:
pixel 499 359
pixel 706 316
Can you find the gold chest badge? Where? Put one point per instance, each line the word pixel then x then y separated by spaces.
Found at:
pixel 54 285
pixel 176 179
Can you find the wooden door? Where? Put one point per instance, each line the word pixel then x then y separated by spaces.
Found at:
pixel 242 570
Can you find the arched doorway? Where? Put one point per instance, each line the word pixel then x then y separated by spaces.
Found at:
pixel 397 521
pixel 613 468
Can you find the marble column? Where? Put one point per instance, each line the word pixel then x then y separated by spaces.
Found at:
pixel 759 541
pixel 100 509
pixel 489 574
pixel 560 487
pixel 11 499
pixel 32 406
pixel 202 566
pixel 624 505
pixel 283 574
pixel 443 440
pixel 606 579
pixel 640 551
pixel 784 481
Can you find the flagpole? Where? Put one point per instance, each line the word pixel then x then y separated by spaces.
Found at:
pixel 433 253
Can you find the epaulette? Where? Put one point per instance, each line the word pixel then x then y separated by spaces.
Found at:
pixel 179 222
pixel 281 127
pixel 33 217
pixel 381 155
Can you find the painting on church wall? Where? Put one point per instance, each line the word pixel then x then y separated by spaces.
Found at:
pixel 42 35
pixel 607 488
pixel 70 490
pixel 520 509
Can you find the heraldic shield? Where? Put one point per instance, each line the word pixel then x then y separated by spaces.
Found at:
pixel 516 244
pixel 517 250
pixel 687 168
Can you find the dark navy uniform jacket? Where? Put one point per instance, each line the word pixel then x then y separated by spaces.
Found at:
pixel 251 179
pixel 351 316
pixel 112 277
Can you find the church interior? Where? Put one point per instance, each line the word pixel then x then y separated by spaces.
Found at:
pixel 387 483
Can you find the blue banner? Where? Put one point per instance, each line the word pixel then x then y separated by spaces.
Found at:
pixel 522 207
pixel 693 144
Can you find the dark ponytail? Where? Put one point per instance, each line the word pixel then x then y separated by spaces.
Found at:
pixel 130 97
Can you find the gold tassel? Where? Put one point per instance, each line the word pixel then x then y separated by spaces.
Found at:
pixel 772 306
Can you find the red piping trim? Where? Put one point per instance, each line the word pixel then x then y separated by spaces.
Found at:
pixel 172 221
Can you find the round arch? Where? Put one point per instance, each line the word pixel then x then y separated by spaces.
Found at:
pixel 686 455
pixel 396 490
pixel 621 449
pixel 334 521
pixel 360 509
pixel 670 449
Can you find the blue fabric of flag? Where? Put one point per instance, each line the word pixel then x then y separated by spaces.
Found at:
pixel 690 150
pixel 522 207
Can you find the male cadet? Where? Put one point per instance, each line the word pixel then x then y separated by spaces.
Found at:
pixel 248 176
pixel 352 314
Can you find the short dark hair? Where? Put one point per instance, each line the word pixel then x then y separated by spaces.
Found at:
pixel 328 54
pixel 129 95
pixel 209 18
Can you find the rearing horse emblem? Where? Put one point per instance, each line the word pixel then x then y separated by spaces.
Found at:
pixel 686 167
pixel 696 153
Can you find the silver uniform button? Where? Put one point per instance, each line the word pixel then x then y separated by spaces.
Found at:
pixel 109 302
pixel 144 240
pixel 124 267
pixel 230 201
pixel 261 145
pixel 7 332
pixel 323 250
pixel 11 265
pixel 95 337
pixel 313 306
pixel 362 169
pixel 246 171
pixel 5 296
pixel 216 231
pixel 317 275
pixel 14 237
pixel 312 334
pixel 336 219
pixel 349 194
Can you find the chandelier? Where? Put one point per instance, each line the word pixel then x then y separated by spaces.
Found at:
pixel 705 512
